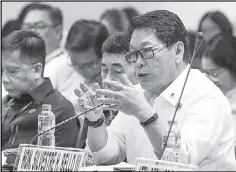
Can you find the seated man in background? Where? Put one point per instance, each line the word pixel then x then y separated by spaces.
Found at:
pixel 158 51
pixel 114 64
pixel 83 46
pixel 23 54
pixel 9 27
pixel 47 21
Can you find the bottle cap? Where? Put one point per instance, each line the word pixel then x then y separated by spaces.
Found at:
pixel 46 107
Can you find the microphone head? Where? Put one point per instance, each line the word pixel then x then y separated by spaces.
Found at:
pixel 199 35
pixel 198 40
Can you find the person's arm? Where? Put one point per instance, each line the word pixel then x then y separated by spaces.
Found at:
pixel 130 100
pixel 108 147
pixel 152 130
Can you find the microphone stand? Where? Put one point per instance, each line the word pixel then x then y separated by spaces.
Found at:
pixel 198 43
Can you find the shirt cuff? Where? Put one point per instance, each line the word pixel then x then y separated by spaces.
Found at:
pixel 108 152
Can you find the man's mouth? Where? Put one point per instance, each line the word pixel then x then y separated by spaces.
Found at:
pixel 142 75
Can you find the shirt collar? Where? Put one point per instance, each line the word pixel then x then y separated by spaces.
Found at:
pixel 53 54
pixel 173 91
pixel 40 92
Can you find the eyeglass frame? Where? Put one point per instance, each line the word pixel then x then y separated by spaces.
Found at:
pixel 33 26
pixel 162 46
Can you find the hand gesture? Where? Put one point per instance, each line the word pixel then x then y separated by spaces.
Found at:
pixel 125 97
pixel 87 99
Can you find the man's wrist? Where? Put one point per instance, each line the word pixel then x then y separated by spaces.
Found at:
pixel 95 124
pixel 149 120
pixel 145 114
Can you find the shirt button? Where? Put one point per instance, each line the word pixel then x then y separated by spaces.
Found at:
pixel 179 105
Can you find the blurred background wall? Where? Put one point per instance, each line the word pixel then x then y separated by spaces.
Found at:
pixel 189 12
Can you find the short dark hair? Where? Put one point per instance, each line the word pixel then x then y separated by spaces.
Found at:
pixel 222 51
pixel 54 13
pixel 130 12
pixel 218 18
pixel 116 18
pixel 10 26
pixel 30 45
pixel 169 28
pixel 86 34
pixel 117 43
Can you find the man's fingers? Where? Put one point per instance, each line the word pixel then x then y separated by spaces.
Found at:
pixel 81 101
pixel 87 107
pixel 84 87
pixel 107 101
pixel 110 107
pixel 114 84
pixel 95 86
pixel 108 93
pixel 124 79
pixel 78 92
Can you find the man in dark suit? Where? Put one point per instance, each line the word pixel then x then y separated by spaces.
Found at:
pixel 23 54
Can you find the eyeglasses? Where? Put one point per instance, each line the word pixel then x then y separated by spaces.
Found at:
pixel 36 26
pixel 145 53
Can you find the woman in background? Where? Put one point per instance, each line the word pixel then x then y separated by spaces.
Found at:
pixel 211 24
pixel 219 63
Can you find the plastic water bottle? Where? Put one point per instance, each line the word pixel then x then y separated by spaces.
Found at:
pixel 170 146
pixel 173 150
pixel 46 120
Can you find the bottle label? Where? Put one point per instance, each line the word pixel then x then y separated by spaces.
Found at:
pixel 45 124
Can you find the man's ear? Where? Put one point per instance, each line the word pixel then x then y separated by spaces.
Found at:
pixel 38 67
pixel 179 51
pixel 59 31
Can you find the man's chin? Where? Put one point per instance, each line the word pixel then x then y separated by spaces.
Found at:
pixel 13 94
pixel 145 85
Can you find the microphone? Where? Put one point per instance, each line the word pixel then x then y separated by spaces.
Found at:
pixel 67 120
pixel 197 44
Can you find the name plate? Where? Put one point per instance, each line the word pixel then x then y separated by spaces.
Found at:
pixel 144 164
pixel 46 158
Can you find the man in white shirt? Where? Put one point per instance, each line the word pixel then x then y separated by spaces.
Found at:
pixel 83 46
pixel 158 51
pixel 48 22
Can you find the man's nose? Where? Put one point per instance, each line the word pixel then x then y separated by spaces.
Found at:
pixel 213 79
pixel 140 62
pixel 110 77
pixel 5 78
pixel 33 29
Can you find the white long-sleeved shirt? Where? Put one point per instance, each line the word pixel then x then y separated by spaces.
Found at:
pixel 204 120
